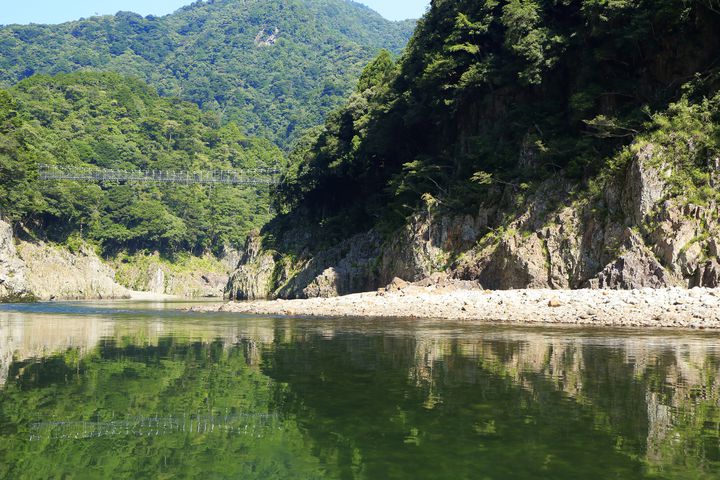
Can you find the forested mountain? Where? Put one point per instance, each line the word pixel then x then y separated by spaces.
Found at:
pixel 496 94
pixel 274 66
pixel 518 144
pixel 107 121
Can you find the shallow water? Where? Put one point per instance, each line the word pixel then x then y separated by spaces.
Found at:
pixel 145 390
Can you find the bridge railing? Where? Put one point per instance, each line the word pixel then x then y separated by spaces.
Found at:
pixel 209 177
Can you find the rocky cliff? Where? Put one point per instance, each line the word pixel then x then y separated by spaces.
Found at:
pixel 635 232
pixel 189 276
pixel 13 284
pixel 53 272
pixel 32 269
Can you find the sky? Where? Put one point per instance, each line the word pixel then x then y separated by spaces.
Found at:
pixel 58 11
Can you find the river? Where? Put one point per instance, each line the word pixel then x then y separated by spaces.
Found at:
pixel 148 390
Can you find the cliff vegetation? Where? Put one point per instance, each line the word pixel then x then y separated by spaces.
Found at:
pixel 517 143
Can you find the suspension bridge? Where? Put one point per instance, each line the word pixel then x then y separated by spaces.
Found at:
pixel 254 177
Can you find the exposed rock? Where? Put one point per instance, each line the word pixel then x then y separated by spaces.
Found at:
pixel 40 270
pixel 554 303
pixel 396 285
pixel 634 236
pixel 195 284
pixel 253 278
pixel 422 247
pixel 13 285
pixel 437 279
pixel 230 258
pixel 635 267
pixel 714 246
pixel 672 236
pixel 325 285
pixel 56 273
pixel 707 275
pixel 157 279
pixel 516 262
pixel 644 186
pixel 204 277
pixel 350 267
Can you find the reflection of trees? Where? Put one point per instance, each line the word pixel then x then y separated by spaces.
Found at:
pixel 64 413
pixel 24 336
pixel 360 400
pixel 658 395
pixel 374 403
pixel 649 398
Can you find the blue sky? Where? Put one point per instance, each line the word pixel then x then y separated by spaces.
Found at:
pixel 57 11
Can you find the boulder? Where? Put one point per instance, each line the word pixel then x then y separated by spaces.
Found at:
pixel 707 275
pixel 635 267
pixel 396 285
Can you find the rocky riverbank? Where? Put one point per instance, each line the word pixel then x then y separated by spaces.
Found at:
pixel 650 308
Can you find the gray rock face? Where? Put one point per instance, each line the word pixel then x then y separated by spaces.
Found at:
pixel 230 258
pixel 516 262
pixel 644 186
pixel 157 280
pixel 636 267
pixel 56 273
pixel 41 271
pixel 635 236
pixel 152 274
pixel 253 279
pixel 13 284
pixel 349 267
pixel 359 264
pixel 573 247
pixel 424 245
pixel 707 275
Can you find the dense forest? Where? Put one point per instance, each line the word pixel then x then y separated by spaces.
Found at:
pixel 509 94
pixel 276 68
pixel 488 103
pixel 103 120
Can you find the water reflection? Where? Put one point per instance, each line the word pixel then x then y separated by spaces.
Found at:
pixel 141 392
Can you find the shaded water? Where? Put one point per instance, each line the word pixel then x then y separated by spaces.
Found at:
pixel 142 390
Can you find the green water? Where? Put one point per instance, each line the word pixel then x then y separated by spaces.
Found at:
pixel 129 390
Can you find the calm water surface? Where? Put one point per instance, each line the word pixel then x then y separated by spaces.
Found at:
pixel 144 390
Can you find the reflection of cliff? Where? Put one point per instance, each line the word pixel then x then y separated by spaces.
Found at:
pixel 671 384
pixel 362 389
pixel 26 336
pixel 139 405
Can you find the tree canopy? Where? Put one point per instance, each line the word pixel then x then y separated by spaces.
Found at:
pixel 103 120
pixel 274 67
pixel 510 92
